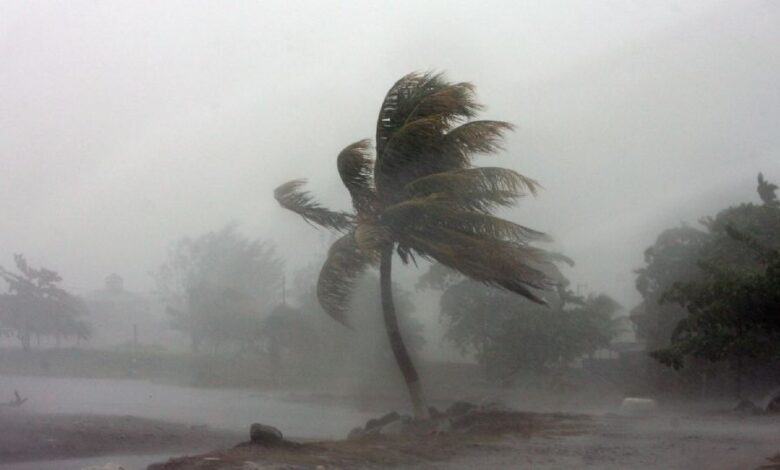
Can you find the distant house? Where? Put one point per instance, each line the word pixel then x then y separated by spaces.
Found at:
pixel 117 315
pixel 624 361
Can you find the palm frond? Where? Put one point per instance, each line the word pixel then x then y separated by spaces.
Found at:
pixel 370 238
pixel 416 114
pixel 419 95
pixel 291 197
pixel 513 266
pixel 557 257
pixel 406 155
pixel 356 168
pixel 477 137
pixel 426 146
pixel 342 269
pixel 435 212
pixel 482 189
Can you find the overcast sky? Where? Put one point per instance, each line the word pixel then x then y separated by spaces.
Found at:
pixel 127 125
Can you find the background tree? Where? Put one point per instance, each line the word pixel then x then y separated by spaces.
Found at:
pixel 734 308
pixel 422 197
pixel 673 258
pixel 508 334
pixel 728 300
pixel 219 286
pixel 35 305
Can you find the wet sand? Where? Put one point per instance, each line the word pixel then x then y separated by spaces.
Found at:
pixel 27 436
pixel 536 441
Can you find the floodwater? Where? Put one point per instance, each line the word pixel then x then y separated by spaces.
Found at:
pixel 230 409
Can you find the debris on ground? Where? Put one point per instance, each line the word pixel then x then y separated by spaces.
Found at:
pixel 392 439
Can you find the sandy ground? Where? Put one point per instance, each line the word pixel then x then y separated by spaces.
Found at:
pixel 533 441
pixel 499 440
pixel 662 442
pixel 28 436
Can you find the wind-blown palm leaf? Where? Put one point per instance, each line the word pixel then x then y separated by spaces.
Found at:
pixel 342 269
pixel 481 189
pixel 556 257
pixel 370 238
pixel 407 155
pixel 419 95
pixel 302 203
pixel 452 102
pixel 493 262
pixel 415 116
pixel 427 146
pixel 356 168
pixel 482 137
pixel 434 212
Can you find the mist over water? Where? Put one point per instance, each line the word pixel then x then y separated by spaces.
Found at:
pixel 225 409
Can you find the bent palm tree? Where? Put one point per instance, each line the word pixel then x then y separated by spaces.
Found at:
pixel 421 197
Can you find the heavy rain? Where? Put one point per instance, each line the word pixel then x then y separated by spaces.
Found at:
pixel 361 235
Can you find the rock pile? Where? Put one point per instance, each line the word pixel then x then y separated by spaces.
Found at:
pixel 455 418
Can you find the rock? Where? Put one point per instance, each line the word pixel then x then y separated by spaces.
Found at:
pixel 374 426
pixel 460 408
pixel 434 413
pixel 746 406
pixel 265 435
pixel 774 404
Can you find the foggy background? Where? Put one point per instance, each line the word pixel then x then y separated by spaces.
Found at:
pixel 127 125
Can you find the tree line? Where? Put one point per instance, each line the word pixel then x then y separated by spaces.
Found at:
pixel 711 295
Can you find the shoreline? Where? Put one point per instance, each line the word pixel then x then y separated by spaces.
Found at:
pixel 27 436
pixel 542 441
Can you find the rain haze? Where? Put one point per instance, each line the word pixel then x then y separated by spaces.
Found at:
pixel 131 124
pixel 128 125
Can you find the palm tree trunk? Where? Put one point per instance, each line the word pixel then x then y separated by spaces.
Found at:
pixel 394 335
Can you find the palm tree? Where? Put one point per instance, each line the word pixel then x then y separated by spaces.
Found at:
pixel 421 197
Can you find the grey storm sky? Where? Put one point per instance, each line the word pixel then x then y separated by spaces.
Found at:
pixel 127 125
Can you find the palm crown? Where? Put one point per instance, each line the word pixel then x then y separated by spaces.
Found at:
pixel 422 196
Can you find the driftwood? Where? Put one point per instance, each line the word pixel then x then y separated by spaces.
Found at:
pixel 16 402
